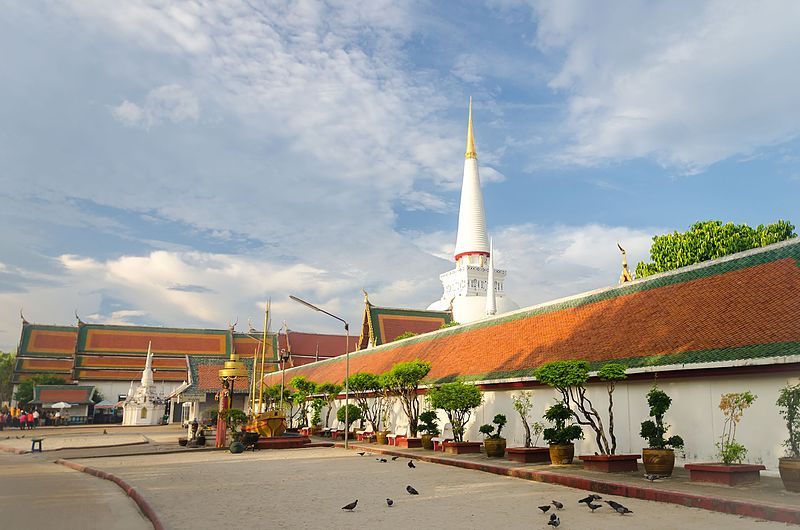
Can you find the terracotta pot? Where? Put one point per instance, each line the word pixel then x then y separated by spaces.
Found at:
pixel 790 473
pixel 562 454
pixel 610 463
pixel 427 442
pixel 528 455
pixel 495 447
pixel 461 448
pixel 380 437
pixel 728 474
pixel 659 462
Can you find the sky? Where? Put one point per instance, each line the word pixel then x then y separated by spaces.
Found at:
pixel 180 163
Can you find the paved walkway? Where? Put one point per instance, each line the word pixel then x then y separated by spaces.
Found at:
pixel 40 495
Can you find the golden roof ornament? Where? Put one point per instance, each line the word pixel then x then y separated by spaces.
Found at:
pixel 470 136
pixel 625 276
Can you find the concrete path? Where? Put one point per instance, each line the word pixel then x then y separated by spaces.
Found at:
pixel 39 495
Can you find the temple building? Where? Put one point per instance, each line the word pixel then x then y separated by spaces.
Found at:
pixel 144 406
pixel 474 288
pixel 381 325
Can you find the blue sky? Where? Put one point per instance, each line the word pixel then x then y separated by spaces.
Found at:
pixel 179 163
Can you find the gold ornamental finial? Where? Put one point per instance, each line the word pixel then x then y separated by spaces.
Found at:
pixel 470 136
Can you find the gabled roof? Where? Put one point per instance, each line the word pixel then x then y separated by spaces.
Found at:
pixel 133 340
pixel 47 341
pixel 744 306
pixel 306 347
pixel 72 394
pixel 204 376
pixel 381 325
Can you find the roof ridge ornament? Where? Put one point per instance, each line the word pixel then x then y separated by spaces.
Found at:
pixel 470 136
pixel 625 276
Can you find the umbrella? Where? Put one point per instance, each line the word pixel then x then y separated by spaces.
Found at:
pixel 105 404
pixel 61 405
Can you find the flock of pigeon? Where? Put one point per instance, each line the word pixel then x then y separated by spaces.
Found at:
pixel 389 502
pixel 555 520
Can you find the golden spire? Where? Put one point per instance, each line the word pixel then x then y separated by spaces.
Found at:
pixel 470 136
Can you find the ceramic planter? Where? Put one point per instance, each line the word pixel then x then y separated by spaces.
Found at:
pixel 427 442
pixel 659 462
pixel 460 448
pixel 728 474
pixel 562 453
pixel 528 455
pixel 790 473
pixel 495 447
pixel 380 437
pixel 610 463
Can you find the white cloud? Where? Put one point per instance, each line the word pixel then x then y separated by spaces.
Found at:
pixel 687 83
pixel 165 103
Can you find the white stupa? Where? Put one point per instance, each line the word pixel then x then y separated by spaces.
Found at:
pixel 144 406
pixel 466 287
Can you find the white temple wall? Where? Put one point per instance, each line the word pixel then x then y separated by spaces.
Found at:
pixel 694 415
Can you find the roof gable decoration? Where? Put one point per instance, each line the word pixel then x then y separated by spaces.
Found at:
pixel 381 325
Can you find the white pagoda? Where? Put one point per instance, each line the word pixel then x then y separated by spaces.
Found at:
pixel 474 289
pixel 144 406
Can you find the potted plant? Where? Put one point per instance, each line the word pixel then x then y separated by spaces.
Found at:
pixel 428 426
pixel 561 436
pixel 494 443
pixel 403 381
pixel 789 466
pixel 316 415
pixel 659 456
pixel 329 391
pixel 570 378
pixel 353 414
pixel 235 419
pixel 530 453
pixel 458 400
pixel 731 471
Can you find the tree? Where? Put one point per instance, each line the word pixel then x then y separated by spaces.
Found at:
pixel 458 400
pixel 353 413
pixel 7 361
pixel 403 380
pixel 304 389
pixel 330 392
pixel 404 335
pixel 234 419
pixel 24 392
pixel 707 240
pixel 362 385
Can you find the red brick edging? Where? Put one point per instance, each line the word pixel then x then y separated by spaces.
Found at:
pixel 782 514
pixel 140 501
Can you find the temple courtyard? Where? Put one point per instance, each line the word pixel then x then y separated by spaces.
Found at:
pixel 298 488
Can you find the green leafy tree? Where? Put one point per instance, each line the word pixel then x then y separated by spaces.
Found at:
pixel 7 361
pixel 561 433
pixel 707 240
pixel 234 419
pixel 789 404
pixel 569 378
pixel 733 406
pixel 365 385
pixel 428 423
pixel 303 390
pixel 329 391
pixel 654 431
pixel 523 404
pixel 316 407
pixel 457 400
pixel 403 381
pixel 404 335
pixel 24 392
pixel 353 414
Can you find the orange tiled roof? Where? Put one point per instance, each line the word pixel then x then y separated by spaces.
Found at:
pixel 743 306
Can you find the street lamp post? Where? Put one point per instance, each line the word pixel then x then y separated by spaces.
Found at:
pixel 346 364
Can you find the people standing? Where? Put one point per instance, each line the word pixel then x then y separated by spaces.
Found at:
pixel 30 419
pixel 23 420
pixel 36 418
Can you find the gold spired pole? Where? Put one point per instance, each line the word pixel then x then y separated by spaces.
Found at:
pixel 267 307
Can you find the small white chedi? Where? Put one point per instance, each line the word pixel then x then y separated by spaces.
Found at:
pixel 144 406
pixel 474 289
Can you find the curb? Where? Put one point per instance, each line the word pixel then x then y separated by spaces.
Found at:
pixel 27 451
pixel 135 496
pixel 13 450
pixel 781 514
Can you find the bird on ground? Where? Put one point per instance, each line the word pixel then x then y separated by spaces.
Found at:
pixel 350 506
pixel 544 508
pixel 558 505
pixel 620 509
pixel 362 453
pixel 587 499
pixel 411 464
pixel 411 490
pixel 593 507
pixel 381 460
pixel 651 478
pixel 105 431
pixel 553 516
pixel 389 502
pixel 395 458
pixel 555 523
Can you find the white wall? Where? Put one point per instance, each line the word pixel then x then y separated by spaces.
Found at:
pixel 694 415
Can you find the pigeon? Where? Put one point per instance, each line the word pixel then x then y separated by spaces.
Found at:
pixel 411 490
pixel 362 453
pixel 381 460
pixel 651 478
pixel 105 431
pixel 558 505
pixel 596 496
pixel 544 508
pixel 587 500
pixel 593 507
pixel 411 464
pixel 620 509
pixel 350 506
pixel 555 523
pixel 389 502
pixel 553 516
pixel 395 458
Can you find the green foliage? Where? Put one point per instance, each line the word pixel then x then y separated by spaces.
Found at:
pixel 234 418
pixel 7 361
pixel 654 431
pixel 304 389
pixel 316 406
pixel 458 400
pixel 789 403
pixel 488 429
pixel 353 414
pixel 404 335
pixel 362 384
pixel 403 381
pixel 523 403
pixel 561 433
pixel 563 374
pixel 428 422
pixel 24 391
pixel 449 324
pixel 733 406
pixel 706 240
pixel 330 392
pixel 612 372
